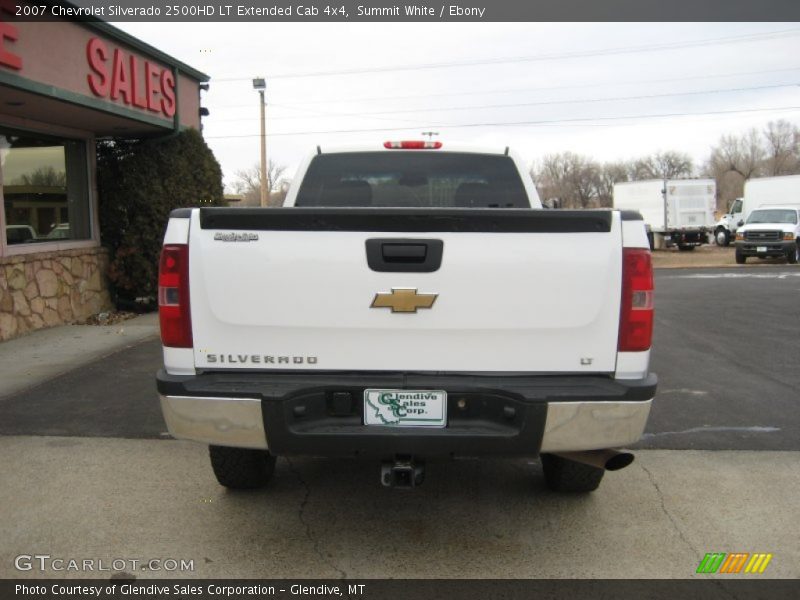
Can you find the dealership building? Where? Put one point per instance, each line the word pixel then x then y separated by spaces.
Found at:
pixel 63 86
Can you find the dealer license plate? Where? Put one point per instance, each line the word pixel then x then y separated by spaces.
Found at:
pixel 405 408
pixel 761 248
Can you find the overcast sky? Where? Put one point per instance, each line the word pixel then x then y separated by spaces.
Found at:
pixel 586 81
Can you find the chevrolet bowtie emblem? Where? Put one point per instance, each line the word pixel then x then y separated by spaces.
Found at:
pixel 405 300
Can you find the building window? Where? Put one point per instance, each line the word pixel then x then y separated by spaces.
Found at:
pixel 45 188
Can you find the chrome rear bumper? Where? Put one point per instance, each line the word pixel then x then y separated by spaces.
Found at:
pixel 574 426
pixel 569 426
pixel 220 421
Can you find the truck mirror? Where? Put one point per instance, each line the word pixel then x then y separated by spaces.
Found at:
pixel 740 223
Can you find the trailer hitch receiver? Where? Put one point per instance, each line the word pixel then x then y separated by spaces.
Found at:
pixel 403 472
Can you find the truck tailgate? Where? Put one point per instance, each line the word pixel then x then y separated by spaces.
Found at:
pixel 532 291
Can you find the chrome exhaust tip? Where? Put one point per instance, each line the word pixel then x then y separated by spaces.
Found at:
pixel 608 459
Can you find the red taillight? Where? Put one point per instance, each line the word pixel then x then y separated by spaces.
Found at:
pixel 412 145
pixel 636 315
pixel 173 296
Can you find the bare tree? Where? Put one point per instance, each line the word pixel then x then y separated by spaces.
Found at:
pixel 741 154
pixel 585 179
pixel 549 176
pixel 782 148
pixel 673 165
pixel 248 183
pixel 733 161
pixel 608 175
pixel 568 178
pixel 661 165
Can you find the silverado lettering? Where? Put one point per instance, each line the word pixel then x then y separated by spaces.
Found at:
pixel 259 358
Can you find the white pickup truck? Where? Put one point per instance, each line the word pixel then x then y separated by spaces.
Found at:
pixel 408 303
pixel 770 231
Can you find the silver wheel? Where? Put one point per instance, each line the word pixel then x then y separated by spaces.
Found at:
pixel 721 237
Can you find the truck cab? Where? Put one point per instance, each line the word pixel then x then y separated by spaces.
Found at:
pixel 770 231
pixel 725 229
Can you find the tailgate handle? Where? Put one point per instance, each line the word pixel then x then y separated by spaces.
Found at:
pixel 404 255
pixel 410 253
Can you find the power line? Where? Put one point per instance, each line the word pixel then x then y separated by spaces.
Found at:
pixel 534 58
pixel 520 123
pixel 513 90
pixel 320 113
pixel 537 89
pixel 519 104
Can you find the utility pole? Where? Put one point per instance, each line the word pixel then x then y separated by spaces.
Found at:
pixel 664 193
pixel 260 84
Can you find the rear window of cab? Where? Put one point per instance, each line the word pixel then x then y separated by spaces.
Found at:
pixel 412 179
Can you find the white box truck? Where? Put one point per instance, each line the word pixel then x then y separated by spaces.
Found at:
pixel 677 212
pixel 764 191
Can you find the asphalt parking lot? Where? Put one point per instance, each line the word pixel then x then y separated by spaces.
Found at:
pixel 725 352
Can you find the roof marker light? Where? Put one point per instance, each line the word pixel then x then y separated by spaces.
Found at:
pixel 412 145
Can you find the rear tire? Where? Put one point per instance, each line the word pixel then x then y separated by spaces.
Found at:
pixel 722 237
pixel 740 258
pixel 562 475
pixel 241 468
